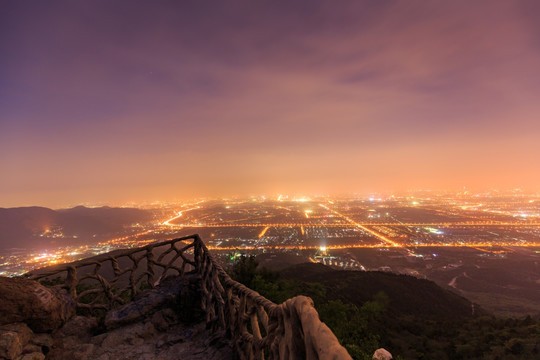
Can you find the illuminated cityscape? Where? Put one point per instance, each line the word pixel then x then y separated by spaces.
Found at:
pixel 307 225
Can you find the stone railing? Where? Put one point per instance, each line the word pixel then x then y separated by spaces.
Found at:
pixel 256 327
pixel 113 279
pixel 259 328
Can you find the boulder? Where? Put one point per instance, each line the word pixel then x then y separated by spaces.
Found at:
pixel 163 319
pixel 23 331
pixel 42 309
pixel 32 348
pixel 33 356
pixel 10 345
pixel 382 354
pixel 77 330
pixel 43 340
pixel 83 352
pixel 147 303
pixel 13 338
pixel 81 327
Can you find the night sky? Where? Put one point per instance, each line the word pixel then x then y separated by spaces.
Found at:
pixel 114 101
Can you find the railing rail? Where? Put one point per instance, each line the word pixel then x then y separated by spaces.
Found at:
pixel 113 279
pixel 256 327
pixel 259 328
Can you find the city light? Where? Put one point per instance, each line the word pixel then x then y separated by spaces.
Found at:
pixel 292 225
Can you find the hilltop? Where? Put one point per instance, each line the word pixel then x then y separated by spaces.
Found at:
pixel 412 318
pixel 407 295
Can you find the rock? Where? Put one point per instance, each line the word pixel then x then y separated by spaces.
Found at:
pixel 148 330
pixel 42 309
pixel 13 338
pixel 23 331
pixel 42 340
pixel 159 321
pixel 83 352
pixel 112 340
pixel 98 339
pixel 147 356
pixel 68 342
pixel 10 345
pixel 170 316
pixel 146 303
pixel 136 341
pixel 176 350
pixel 382 354
pixel 31 348
pixel 170 339
pixel 79 326
pixel 78 330
pixel 134 334
pixel 33 356
pixel 73 351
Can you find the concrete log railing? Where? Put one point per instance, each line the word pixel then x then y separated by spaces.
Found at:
pixel 256 327
pixel 259 328
pixel 112 279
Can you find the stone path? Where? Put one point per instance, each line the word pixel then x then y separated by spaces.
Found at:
pixel 159 337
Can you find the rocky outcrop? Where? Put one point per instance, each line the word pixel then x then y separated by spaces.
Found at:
pixel 149 301
pixel 18 342
pixel 42 309
pixel 77 330
pixel 159 336
pixel 150 327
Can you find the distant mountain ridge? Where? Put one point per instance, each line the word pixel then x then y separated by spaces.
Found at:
pixel 22 226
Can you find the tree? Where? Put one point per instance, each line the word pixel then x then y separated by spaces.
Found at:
pixel 244 270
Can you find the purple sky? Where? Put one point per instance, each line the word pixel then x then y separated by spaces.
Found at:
pixel 112 101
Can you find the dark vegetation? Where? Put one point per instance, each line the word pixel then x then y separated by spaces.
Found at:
pixel 412 318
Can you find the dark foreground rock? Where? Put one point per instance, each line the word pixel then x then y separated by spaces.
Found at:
pixel 153 326
pixel 161 323
pixel 42 309
pixel 18 342
pixel 160 336
pixel 168 293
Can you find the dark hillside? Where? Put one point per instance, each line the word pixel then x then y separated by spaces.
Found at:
pixel 35 226
pixel 407 295
pixel 100 220
pixel 18 225
pixel 410 317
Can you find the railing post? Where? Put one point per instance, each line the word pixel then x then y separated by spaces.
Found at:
pixel 197 248
pixel 72 281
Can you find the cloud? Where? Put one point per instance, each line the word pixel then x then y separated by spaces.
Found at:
pixel 268 90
